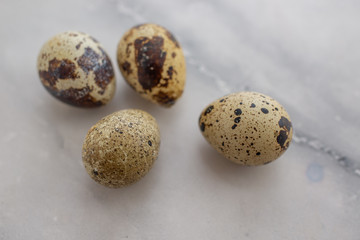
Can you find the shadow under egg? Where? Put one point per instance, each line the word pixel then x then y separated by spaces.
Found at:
pixel 236 174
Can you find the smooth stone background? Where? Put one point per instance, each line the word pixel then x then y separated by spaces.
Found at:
pixel 304 53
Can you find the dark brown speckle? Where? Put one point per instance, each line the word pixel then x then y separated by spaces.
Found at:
pixel 128 50
pixel 99 64
pixel 150 58
pixel 76 97
pixel 126 66
pixel 208 110
pixel 164 99
pixel 264 110
pixel 78 45
pixel 281 138
pixel 170 72
pixel 285 123
pixel 58 69
pixel 238 112
pixel 202 127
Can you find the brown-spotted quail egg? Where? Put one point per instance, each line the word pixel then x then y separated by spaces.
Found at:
pixel 75 69
pixel 248 128
pixel 121 148
pixel 152 63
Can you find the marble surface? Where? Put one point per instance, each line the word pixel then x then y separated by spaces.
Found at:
pixel 304 53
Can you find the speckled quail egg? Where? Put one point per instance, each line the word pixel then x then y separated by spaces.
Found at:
pixel 248 128
pixel 75 69
pixel 152 63
pixel 121 148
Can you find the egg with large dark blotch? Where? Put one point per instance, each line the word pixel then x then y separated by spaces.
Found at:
pixel 248 128
pixel 152 63
pixel 74 68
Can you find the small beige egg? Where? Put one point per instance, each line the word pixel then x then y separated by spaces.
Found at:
pixel 75 69
pixel 248 128
pixel 152 63
pixel 121 148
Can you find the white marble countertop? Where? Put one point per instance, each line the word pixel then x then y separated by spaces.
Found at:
pixel 305 54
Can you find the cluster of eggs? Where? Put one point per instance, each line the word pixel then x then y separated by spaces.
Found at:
pixel 247 128
pixel 74 67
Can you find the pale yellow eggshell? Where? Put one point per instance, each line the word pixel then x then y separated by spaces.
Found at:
pixel 75 69
pixel 152 63
pixel 121 148
pixel 248 128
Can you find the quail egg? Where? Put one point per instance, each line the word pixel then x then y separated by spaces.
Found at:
pixel 248 128
pixel 74 68
pixel 152 63
pixel 121 148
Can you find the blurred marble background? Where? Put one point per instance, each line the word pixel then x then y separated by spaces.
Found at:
pixel 304 53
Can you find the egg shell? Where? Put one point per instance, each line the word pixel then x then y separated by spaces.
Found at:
pixel 152 63
pixel 121 148
pixel 248 128
pixel 75 69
